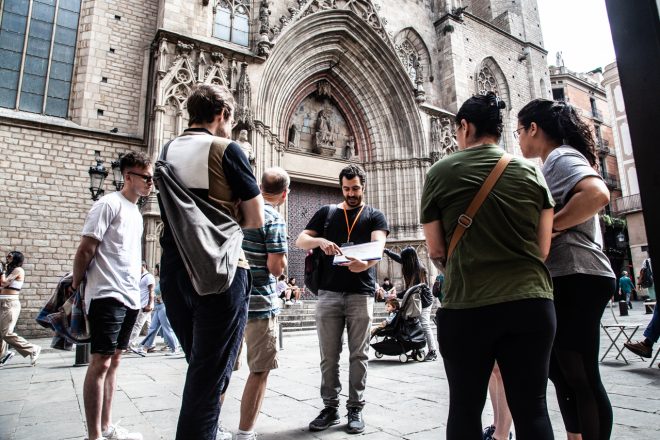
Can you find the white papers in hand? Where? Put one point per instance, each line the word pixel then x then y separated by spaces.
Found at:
pixel 364 251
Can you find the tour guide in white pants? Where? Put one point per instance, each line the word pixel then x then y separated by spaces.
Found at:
pixel 346 296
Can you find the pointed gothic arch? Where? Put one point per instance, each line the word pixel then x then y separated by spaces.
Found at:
pixel 412 50
pixel 372 89
pixel 491 78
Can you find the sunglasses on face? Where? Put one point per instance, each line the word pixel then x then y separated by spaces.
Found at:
pixel 147 178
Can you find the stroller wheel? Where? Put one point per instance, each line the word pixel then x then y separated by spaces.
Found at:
pixel 378 355
pixel 419 356
pixel 403 358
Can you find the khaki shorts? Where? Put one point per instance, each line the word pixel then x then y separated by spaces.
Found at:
pixel 261 340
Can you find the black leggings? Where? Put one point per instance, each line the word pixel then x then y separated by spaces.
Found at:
pixel 579 302
pixel 518 335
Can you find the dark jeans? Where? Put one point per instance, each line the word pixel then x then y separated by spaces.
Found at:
pixel 210 330
pixel 579 302
pixel 518 334
pixel 652 331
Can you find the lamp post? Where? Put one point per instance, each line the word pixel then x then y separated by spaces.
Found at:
pixel 118 177
pixel 97 175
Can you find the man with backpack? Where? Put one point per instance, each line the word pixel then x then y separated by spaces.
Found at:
pixel 345 295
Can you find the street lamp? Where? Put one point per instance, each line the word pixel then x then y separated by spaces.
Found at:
pixel 621 240
pixel 118 177
pixel 97 175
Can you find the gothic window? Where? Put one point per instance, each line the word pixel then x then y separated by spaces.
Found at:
pixel 410 59
pixel 231 21
pixel 486 81
pixel 37 50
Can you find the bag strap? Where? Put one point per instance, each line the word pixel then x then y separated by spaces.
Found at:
pixel 465 219
pixel 163 154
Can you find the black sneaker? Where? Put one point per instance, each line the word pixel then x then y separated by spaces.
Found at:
pixel 355 422
pixel 329 416
pixel 6 357
pixel 431 356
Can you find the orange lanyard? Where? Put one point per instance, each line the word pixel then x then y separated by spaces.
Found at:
pixel 350 228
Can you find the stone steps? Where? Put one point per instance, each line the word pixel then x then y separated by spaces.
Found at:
pixel 301 316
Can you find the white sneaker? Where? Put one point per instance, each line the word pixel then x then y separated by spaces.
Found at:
pixel 223 434
pixel 250 436
pixel 173 353
pixel 288 303
pixel 35 355
pixel 116 432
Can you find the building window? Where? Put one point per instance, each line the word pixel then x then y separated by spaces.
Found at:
pixel 486 81
pixel 37 50
pixel 410 59
pixel 558 95
pixel 231 21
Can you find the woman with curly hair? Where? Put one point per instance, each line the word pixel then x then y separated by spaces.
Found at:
pixel 582 276
pixel 11 281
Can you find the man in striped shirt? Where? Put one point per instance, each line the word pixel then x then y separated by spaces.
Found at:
pixel 266 251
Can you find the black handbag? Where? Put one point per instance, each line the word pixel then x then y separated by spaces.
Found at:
pixel 314 259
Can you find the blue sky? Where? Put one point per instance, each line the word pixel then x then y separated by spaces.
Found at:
pixel 578 28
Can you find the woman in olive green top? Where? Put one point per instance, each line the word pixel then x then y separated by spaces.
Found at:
pixel 497 292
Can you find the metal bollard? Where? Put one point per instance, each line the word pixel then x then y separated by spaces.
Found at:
pixel 623 308
pixel 82 355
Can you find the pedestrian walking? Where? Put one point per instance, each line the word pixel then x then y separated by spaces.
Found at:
pixel 626 287
pixel 644 348
pixel 581 273
pixel 11 282
pixel 108 257
pixel 147 299
pixel 159 322
pixel 345 296
pixel 478 226
pixel 266 250
pixel 209 327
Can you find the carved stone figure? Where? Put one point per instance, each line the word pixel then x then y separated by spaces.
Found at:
pixel 324 143
pixel 559 59
pixel 324 89
pixel 294 137
pixel 246 146
pixel 349 149
pixel 264 18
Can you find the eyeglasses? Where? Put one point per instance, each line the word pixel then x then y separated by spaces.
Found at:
pixel 516 133
pixel 145 177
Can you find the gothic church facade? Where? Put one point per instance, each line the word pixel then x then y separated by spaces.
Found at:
pixel 318 83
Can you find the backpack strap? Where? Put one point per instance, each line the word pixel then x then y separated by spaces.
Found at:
pixel 465 219
pixel 331 211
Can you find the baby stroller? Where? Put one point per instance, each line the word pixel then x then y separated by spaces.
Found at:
pixel 404 337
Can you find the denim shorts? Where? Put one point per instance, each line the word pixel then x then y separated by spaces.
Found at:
pixel 111 323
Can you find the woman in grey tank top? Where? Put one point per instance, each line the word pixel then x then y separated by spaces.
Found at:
pixel 581 273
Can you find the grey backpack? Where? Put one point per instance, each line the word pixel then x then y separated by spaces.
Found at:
pixel 209 240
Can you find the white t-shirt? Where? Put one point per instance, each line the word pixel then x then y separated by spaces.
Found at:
pixel 146 281
pixel 115 270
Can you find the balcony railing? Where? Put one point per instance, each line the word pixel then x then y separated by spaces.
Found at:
pixel 596 114
pixel 626 205
pixel 601 148
pixel 611 181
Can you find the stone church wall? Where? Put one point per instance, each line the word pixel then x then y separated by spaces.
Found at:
pixel 45 199
pixel 111 61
